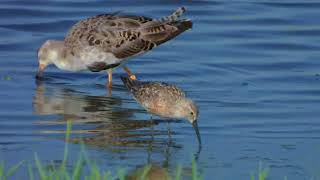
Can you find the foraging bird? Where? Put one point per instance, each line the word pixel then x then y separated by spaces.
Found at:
pixel 106 41
pixel 164 100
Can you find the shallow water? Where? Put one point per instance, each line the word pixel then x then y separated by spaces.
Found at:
pixel 251 66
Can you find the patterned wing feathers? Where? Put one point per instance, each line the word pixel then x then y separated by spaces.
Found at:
pixel 125 36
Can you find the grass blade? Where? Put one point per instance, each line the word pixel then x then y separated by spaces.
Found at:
pixel 178 172
pixel 95 172
pixel 194 170
pixel 263 172
pixel 65 154
pixel 65 175
pixel 42 173
pixel 31 177
pixel 145 172
pixel 252 176
pixel 106 175
pixel 121 174
pixel 77 169
pixel 2 176
pixel 14 169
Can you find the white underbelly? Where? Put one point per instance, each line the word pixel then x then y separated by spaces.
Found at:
pixel 87 58
pixel 95 55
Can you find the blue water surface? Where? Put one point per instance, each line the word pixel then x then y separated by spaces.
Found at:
pixel 251 66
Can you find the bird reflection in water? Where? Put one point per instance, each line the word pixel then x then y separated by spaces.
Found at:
pixel 151 172
pixel 98 121
pixel 159 170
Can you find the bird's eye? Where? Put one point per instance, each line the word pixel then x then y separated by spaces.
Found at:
pixel 191 113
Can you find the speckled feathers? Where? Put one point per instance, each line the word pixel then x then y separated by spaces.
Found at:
pixel 122 35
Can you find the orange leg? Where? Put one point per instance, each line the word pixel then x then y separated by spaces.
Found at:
pixel 131 75
pixel 109 78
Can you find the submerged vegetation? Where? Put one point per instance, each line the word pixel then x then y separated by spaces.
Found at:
pixel 7 78
pixel 93 172
pixel 84 168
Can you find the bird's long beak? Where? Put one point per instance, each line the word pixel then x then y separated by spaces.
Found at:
pixel 196 128
pixel 40 70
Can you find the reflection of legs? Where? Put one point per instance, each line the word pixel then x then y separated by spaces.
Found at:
pixel 109 78
pixel 167 155
pixel 150 149
pixel 169 132
pixel 152 141
pixel 152 129
pixel 152 136
pixel 131 75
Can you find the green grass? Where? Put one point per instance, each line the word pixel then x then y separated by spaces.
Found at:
pixel 54 172
pixel 262 173
pixel 7 78
pixel 57 172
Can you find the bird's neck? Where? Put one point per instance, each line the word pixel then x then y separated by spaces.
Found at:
pixel 60 58
pixel 178 110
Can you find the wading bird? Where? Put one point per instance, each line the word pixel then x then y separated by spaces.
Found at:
pixel 165 100
pixel 106 41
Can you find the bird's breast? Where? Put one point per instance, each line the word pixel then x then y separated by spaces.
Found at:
pixel 159 107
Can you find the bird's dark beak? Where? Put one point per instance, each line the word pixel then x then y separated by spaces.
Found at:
pixel 39 74
pixel 196 128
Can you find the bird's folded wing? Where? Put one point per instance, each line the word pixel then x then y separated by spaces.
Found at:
pixel 123 35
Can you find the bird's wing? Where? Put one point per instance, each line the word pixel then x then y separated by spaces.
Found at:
pixel 124 35
pixel 159 89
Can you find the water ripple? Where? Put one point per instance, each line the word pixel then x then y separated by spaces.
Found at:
pixel 252 68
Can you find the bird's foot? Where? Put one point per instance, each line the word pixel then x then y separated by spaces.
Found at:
pixel 133 77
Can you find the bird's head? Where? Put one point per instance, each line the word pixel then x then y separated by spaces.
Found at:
pixel 189 110
pixel 48 53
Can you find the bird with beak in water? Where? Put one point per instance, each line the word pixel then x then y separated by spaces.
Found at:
pixel 164 100
pixel 106 41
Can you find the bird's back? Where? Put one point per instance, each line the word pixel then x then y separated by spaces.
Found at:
pixel 123 36
pixel 148 92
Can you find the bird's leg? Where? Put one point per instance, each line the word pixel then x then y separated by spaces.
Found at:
pixel 109 78
pixel 131 75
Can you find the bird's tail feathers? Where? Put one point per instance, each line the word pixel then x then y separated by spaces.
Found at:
pixel 174 16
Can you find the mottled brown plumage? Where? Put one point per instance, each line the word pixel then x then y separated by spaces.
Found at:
pixel 122 35
pixel 105 41
pixel 164 99
pixel 155 96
